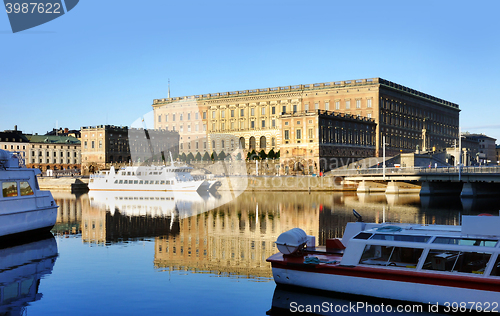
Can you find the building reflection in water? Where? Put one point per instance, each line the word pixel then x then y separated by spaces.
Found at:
pixel 21 269
pixel 234 237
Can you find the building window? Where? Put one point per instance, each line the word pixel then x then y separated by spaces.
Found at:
pixel 159 118
pixel 337 105
pixel 306 107
pixel 327 106
pixel 196 115
pixel 316 106
pixel 204 115
pixel 242 125
pixel 189 116
pixel 232 125
pixel 213 126
pixel 93 144
pixel 232 113
pixel 311 133
pixel 173 117
pixel 222 144
pixel 180 117
pixel 358 104
pixel 263 111
pixel 223 126
pixel 273 110
pixel 242 112
pixel 273 123
pixel 213 114
pixel 213 144
pixel 369 115
pixel 263 123
pixel 85 144
pixel 273 141
pixel 284 109
pixel 252 124
pixel 295 108
pixel 287 134
pixel 223 114
pixel 299 133
pixel 369 103
pixel 348 104
pixel 100 144
pixel 252 111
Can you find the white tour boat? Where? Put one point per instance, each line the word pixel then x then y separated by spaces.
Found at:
pixel 149 178
pixel 452 266
pixel 23 207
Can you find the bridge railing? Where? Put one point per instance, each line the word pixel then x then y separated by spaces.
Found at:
pixel 416 170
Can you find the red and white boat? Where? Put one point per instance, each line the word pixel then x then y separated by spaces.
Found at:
pixel 453 266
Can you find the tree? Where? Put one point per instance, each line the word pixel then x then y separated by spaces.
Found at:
pixel 222 155
pixel 206 157
pixel 271 154
pixel 238 156
pixel 278 154
pixel 182 157
pixel 213 156
pixel 189 157
pixel 198 156
pixel 262 154
pixel 252 155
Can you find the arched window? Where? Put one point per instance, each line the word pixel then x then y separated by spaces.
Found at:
pixel 262 142
pixel 252 143
pixel 242 142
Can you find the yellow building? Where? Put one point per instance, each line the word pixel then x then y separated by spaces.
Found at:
pixel 253 119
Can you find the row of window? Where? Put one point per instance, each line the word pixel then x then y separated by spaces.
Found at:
pixel 61 161
pixel 436 259
pixel 172 116
pixel 54 154
pixel 10 189
pixel 144 182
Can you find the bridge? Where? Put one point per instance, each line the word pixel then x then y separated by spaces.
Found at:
pixel 466 181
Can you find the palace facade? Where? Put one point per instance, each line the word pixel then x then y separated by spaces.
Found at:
pixel 253 119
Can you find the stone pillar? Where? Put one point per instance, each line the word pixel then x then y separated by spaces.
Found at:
pixel 469 190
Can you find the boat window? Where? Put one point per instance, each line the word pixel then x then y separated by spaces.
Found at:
pixel 135 181
pixel 9 189
pixel 496 267
pixel 402 257
pixel 465 241
pixel 128 173
pixel 363 236
pixel 456 261
pixel 140 182
pixel 157 182
pixel 120 182
pixel 116 181
pixel 125 181
pixel 162 182
pixel 146 181
pixel 139 173
pixel 168 181
pixel 410 238
pixel 25 188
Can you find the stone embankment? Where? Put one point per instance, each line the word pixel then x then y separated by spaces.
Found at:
pixel 73 185
pixel 284 183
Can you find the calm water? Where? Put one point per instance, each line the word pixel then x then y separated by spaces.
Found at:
pixel 186 254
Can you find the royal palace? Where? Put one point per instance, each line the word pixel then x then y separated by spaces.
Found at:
pixel 319 126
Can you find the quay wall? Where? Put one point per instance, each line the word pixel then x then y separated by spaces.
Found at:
pixel 285 183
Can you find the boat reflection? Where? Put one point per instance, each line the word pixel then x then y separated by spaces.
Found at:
pixel 21 269
pixel 291 301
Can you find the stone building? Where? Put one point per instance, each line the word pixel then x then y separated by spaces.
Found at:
pixel 252 119
pixel 318 141
pixel 486 150
pixel 47 152
pixel 14 141
pixel 106 145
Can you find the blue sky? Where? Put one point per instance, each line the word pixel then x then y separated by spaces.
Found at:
pixel 105 61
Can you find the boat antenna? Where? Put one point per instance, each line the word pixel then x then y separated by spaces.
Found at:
pixel 171 159
pixel 358 216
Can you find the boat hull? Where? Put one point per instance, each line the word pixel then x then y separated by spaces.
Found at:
pixel 472 293
pixel 28 222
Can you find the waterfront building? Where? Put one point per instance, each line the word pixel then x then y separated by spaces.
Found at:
pixel 486 151
pixel 407 118
pixel 14 141
pixel 47 152
pixel 107 145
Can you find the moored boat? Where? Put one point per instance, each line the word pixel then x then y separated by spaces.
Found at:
pixel 24 208
pixel 455 267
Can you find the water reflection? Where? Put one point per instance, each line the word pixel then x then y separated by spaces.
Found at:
pixel 226 236
pixel 21 269
pixel 294 301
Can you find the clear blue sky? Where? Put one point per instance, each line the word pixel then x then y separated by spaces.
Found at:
pixel 106 60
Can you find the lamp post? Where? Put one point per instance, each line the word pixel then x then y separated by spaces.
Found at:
pixel 383 157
